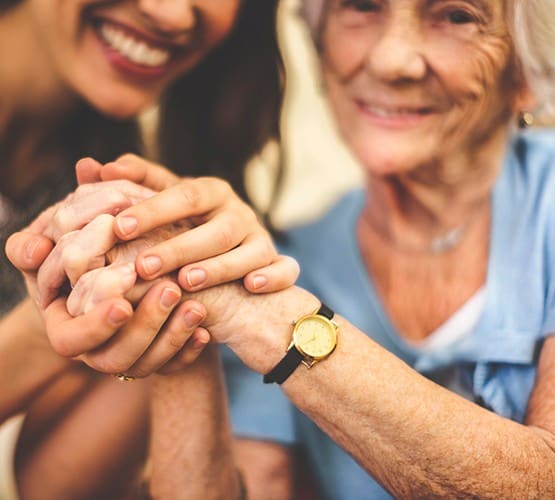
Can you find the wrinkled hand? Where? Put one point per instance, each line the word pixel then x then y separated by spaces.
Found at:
pixel 108 336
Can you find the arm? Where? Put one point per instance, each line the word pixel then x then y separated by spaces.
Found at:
pixel 192 452
pixel 191 442
pixel 415 437
pixel 27 362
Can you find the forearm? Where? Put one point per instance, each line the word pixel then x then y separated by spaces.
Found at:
pixel 413 436
pixel 191 442
pixel 27 363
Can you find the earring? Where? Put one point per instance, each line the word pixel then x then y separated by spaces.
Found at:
pixel 526 119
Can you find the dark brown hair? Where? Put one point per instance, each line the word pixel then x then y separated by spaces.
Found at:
pixel 212 119
pixel 220 114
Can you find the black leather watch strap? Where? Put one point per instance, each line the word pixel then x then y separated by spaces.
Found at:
pixel 285 367
pixel 325 311
pixel 293 358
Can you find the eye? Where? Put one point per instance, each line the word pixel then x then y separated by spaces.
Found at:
pixel 362 5
pixel 460 17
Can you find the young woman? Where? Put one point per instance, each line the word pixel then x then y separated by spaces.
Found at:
pixel 81 72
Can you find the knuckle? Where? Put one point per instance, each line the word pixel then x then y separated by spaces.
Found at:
pixel 63 220
pixel 175 340
pixel 61 346
pixel 225 238
pixel 66 240
pixel 127 157
pixel 223 186
pixel 266 251
pixel 80 190
pixel 191 194
pixel 139 372
pixel 116 199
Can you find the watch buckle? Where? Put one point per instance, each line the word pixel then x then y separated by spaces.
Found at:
pixel 309 363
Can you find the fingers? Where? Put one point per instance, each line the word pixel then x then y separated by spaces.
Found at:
pixel 189 352
pixel 87 202
pixel 139 170
pixel 189 198
pixel 255 252
pixel 121 351
pixel 75 253
pixel 27 251
pixel 71 336
pixel 280 274
pixel 173 340
pixel 100 284
pixel 133 341
pixel 87 170
pixel 214 238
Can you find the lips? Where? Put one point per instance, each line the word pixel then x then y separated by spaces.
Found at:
pixel 136 50
pixel 394 116
pixel 393 111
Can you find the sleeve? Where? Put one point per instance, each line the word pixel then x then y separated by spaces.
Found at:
pixel 257 410
pixel 548 327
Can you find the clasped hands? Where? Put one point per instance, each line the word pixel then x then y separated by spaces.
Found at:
pixel 108 266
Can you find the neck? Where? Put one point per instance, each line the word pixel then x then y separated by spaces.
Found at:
pixel 430 209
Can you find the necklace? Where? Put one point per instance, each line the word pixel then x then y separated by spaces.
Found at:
pixel 438 244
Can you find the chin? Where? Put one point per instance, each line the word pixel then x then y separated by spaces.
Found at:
pixel 122 109
pixel 385 158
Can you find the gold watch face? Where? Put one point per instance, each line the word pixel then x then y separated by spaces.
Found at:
pixel 315 336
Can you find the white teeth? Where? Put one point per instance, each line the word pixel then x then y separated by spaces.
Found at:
pixel 135 51
pixel 390 112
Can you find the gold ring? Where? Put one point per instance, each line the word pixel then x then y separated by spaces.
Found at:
pixel 124 378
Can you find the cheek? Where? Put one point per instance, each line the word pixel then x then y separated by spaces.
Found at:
pixel 219 20
pixel 478 75
pixel 344 51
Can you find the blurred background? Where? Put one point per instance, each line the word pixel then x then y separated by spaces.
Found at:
pixel 318 167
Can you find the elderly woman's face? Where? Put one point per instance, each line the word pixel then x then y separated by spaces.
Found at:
pixel 411 81
pixel 120 54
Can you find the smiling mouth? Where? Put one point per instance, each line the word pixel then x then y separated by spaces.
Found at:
pixel 393 111
pixel 137 51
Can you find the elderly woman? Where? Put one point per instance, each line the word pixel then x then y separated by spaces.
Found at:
pixel 430 370
pixel 440 272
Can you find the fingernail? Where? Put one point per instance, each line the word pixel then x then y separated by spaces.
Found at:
pixel 192 318
pixel 127 225
pixel 118 315
pixel 152 264
pixel 196 276
pixel 169 298
pixel 30 248
pixel 259 281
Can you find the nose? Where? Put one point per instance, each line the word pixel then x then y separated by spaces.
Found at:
pixel 169 16
pixel 398 51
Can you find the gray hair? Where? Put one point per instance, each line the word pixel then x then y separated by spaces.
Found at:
pixel 533 28
pixel 532 24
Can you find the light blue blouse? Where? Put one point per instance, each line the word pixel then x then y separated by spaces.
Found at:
pixel 496 362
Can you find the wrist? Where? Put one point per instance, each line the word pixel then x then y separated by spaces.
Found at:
pixel 262 332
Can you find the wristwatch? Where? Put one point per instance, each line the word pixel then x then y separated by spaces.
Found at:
pixel 314 339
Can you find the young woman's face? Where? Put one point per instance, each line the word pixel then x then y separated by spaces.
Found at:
pixel 411 81
pixel 120 54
